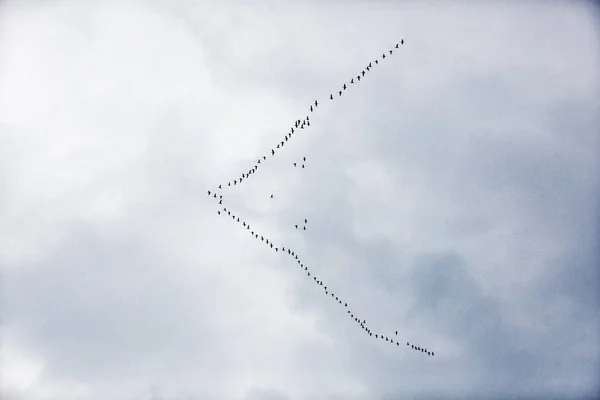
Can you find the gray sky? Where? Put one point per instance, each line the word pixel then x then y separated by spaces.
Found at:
pixel 452 195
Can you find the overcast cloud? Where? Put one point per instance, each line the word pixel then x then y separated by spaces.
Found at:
pixel 451 195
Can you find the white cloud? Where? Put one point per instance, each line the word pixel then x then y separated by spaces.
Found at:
pixel 451 195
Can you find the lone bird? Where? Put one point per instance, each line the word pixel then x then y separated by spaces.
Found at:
pixel 271 196
pixel 331 97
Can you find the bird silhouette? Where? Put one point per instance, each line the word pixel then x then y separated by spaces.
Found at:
pixel 271 196
pixel 331 97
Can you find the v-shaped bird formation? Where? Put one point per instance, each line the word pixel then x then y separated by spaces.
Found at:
pixel 297 127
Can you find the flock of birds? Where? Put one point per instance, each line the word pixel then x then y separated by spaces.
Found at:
pixel 297 127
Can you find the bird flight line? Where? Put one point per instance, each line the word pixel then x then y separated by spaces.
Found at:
pixel 297 127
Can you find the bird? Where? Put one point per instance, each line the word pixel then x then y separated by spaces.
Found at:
pixel 316 103
pixel 302 165
pixel 271 196
pixel 402 41
pixel 383 56
pixel 352 80
pixel 311 109
pixel 220 187
pixel 303 158
pixel 209 192
pixel 219 212
pixel 396 45
pixel 294 164
pixel 272 152
pixel 296 226
pixel 305 220
pixel 331 96
pixel 396 332
pixel 376 62
pixel 340 92
pixel 370 65
pixel 358 77
pixel 304 228
pixel 363 72
pixel 391 51
pixel 344 86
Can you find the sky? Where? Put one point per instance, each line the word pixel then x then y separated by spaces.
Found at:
pixel 452 195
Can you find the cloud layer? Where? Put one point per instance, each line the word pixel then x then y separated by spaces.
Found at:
pixel 452 196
